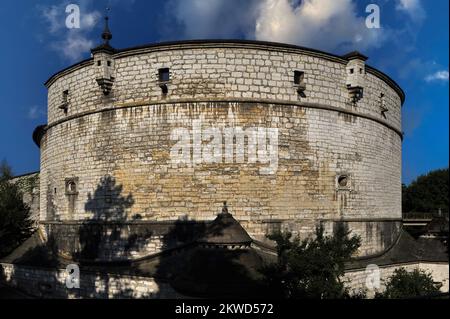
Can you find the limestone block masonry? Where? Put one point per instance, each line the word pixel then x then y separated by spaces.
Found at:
pixel 51 283
pixel 108 156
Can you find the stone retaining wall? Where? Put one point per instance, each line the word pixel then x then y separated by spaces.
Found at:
pixel 357 278
pixel 47 283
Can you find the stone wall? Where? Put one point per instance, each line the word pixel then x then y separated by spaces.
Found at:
pixel 47 283
pixel 119 241
pixel 356 279
pixel 117 148
pixel 136 239
pixel 109 155
pixel 220 70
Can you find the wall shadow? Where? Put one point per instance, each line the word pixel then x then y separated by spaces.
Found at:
pixel 199 269
pixel 188 265
pixel 103 230
pixel 43 255
pixel 36 270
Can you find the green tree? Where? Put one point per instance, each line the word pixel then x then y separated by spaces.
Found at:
pixel 403 284
pixel 428 193
pixel 15 222
pixel 310 268
pixel 5 171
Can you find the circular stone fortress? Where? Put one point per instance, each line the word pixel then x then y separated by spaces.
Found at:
pixel 145 139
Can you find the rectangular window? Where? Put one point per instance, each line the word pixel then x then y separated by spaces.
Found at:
pixel 298 77
pixel 65 103
pixel 163 75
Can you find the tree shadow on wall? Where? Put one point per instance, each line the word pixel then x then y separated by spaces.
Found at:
pixel 100 235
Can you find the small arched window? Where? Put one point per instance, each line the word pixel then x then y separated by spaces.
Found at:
pixel 71 186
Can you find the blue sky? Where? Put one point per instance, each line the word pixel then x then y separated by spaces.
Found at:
pixel 411 46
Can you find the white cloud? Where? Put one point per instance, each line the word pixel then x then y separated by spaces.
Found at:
pixel 413 8
pixel 213 18
pixel 51 15
pixel 439 76
pixel 322 24
pixel 74 46
pixel 71 44
pixel 35 112
pixel 89 20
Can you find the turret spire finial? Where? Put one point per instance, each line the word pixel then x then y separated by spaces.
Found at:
pixel 106 35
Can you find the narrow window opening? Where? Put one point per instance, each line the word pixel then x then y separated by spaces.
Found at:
pixel 108 63
pixel 383 107
pixel 352 71
pixel 298 77
pixel 299 82
pixel 99 63
pixel 65 101
pixel 163 75
pixel 164 78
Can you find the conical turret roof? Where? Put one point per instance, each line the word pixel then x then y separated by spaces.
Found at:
pixel 225 230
